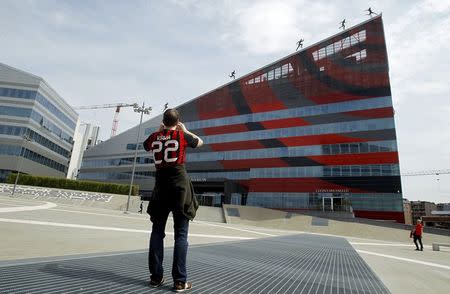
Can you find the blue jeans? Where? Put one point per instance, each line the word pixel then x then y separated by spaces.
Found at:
pixel 156 253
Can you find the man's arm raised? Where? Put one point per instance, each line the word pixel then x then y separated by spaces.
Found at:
pixel 182 127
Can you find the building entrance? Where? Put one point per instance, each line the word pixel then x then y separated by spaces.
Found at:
pixel 210 199
pixel 336 202
pixel 216 193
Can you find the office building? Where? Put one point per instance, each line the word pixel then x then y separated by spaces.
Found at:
pixel 36 126
pixel 420 209
pixel 312 131
pixel 86 136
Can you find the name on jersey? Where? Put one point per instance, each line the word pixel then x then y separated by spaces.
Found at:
pixel 163 138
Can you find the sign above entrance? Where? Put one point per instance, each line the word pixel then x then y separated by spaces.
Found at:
pixel 332 191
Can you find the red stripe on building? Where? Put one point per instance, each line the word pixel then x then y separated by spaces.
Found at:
pixel 230 111
pixel 284 123
pixel 237 128
pixel 259 96
pixel 353 77
pixel 216 104
pixel 270 106
pixel 296 185
pixel 362 158
pixel 333 97
pixel 373 113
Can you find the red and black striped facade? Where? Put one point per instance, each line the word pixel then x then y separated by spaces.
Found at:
pixel 318 122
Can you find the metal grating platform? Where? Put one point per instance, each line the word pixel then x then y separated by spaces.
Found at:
pixel 294 264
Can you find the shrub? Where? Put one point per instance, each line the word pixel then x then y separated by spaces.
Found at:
pixel 61 183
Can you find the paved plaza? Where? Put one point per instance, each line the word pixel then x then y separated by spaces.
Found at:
pixel 55 248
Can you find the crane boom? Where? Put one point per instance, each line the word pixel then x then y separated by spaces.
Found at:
pixel 428 172
pixel 117 106
pixel 106 106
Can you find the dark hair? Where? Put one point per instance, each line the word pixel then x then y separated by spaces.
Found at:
pixel 171 117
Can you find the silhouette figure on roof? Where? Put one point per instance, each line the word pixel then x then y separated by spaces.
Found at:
pixel 232 74
pixel 299 44
pixel 370 12
pixel 166 106
pixel 342 24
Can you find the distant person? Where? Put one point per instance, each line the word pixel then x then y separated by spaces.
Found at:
pixel 299 44
pixel 233 74
pixel 174 192
pixel 141 206
pixel 342 24
pixel 370 12
pixel 417 234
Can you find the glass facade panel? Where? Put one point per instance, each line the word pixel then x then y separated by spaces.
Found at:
pixel 330 108
pixel 15 111
pixel 34 95
pixel 334 128
pixel 51 127
pixel 37 117
pixel 132 146
pixel 9 150
pixel 313 201
pixel 20 131
pixel 31 155
pixel 96 163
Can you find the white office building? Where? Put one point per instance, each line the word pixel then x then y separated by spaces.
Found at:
pixel 36 126
pixel 86 136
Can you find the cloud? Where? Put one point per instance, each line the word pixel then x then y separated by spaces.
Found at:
pixel 265 26
pixel 269 27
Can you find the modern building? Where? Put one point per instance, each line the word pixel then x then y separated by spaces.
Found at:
pixel 36 126
pixel 86 136
pixel 443 207
pixel 312 131
pixel 420 209
pixel 438 218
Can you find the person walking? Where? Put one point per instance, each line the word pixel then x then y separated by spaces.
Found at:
pixel 417 235
pixel 173 192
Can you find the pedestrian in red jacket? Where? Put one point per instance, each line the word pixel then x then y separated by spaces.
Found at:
pixel 417 234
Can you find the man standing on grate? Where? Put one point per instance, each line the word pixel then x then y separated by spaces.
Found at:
pixel 173 192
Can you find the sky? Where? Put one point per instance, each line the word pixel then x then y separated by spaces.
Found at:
pixel 102 52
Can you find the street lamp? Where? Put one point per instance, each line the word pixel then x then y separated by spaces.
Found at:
pixel 27 139
pixel 141 110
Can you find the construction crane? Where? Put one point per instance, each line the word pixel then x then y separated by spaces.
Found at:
pixel 117 106
pixel 436 172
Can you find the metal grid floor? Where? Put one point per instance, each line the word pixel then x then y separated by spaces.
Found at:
pixel 293 264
